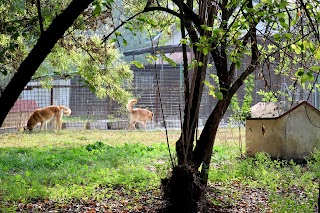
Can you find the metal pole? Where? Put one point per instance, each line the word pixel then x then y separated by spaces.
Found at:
pixel 51 96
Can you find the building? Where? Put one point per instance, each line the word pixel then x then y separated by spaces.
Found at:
pixel 293 134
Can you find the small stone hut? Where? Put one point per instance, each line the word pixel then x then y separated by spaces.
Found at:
pixel 292 134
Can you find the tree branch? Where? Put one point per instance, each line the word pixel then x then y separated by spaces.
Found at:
pixel 40 16
pixel 81 47
pixel 148 9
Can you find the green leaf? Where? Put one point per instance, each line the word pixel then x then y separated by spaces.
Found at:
pixel 205 51
pixel 113 40
pixel 288 36
pixel 312 47
pixel 11 29
pixel 97 9
pixel 238 63
pixel 296 48
pixel 183 41
pixel 309 6
pixel 142 19
pixel 151 58
pixel 281 15
pixel 138 64
pixel 169 60
pixel 205 27
pixel 299 73
pixel 318 16
pixel 124 42
pixel 219 95
pixel 152 23
pixel 315 68
pixel 310 76
pixel 317 54
pixel 276 36
pixel 283 4
pixel 304 78
pixel 283 23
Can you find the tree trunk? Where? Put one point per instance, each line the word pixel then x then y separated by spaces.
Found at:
pixel 184 146
pixel 37 55
pixel 185 188
pixel 203 150
pixel 182 190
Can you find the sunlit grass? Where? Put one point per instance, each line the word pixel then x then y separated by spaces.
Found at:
pixel 74 138
pixel 66 138
pixel 76 172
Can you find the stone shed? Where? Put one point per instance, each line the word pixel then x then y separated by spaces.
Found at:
pixel 291 134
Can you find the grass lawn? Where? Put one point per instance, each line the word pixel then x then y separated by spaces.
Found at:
pixel 120 171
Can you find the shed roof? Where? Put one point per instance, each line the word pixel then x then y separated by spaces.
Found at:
pixel 275 111
pixel 266 110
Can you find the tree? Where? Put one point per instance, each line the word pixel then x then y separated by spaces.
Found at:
pixel 227 32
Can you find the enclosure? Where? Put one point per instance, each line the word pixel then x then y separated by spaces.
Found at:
pixel 158 88
pixel 150 85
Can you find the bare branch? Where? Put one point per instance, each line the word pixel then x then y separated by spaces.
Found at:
pixel 40 16
pixel 149 9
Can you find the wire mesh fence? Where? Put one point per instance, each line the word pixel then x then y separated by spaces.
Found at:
pixel 158 89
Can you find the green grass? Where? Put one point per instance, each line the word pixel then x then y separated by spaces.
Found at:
pixel 37 167
pixel 67 165
pixel 76 172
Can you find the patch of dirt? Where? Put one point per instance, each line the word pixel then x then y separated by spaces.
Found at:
pixel 236 198
pixel 220 198
pixel 115 201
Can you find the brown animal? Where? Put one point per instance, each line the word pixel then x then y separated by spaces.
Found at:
pixel 42 115
pixel 138 115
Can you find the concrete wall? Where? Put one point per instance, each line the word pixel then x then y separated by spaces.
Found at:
pixel 302 132
pixel 265 135
pixel 293 135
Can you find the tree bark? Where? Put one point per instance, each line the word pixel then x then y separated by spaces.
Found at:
pixel 37 55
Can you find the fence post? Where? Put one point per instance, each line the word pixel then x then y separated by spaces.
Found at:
pixel 51 95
